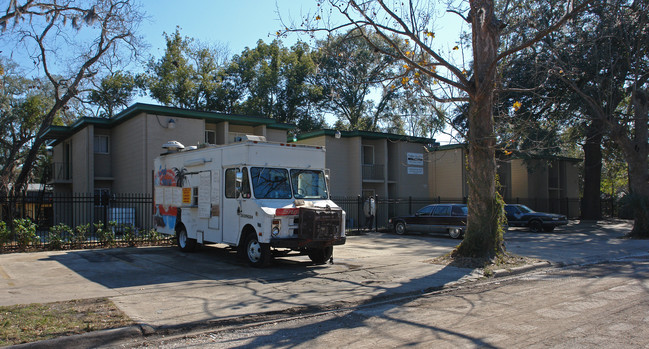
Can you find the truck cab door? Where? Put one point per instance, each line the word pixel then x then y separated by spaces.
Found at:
pixel 236 190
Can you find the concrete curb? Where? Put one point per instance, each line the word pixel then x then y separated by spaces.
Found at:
pixel 90 339
pixel 520 270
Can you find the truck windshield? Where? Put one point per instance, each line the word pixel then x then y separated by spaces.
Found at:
pixel 308 184
pixel 270 183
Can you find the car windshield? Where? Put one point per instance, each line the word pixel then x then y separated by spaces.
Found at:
pixel 525 209
pixel 460 211
pixel 270 183
pixel 308 184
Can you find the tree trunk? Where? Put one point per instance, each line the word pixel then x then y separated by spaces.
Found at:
pixel 483 237
pixel 637 155
pixel 590 203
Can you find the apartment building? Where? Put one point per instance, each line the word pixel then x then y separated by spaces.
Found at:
pixel 545 183
pixel 115 155
pixel 374 163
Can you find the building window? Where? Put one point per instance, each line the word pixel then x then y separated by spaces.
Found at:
pixel 210 137
pixel 368 155
pixel 102 144
pixel 102 197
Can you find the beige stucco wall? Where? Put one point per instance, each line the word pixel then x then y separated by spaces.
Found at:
pixel 519 179
pixel 343 160
pixel 103 165
pixel 139 140
pixel 273 135
pixel 415 185
pixel 537 174
pixel 447 179
pixel 82 161
pixel 571 180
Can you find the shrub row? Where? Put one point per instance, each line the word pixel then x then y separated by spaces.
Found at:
pixel 24 237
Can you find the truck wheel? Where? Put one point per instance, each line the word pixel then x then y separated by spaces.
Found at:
pixel 258 254
pixel 185 243
pixel 536 226
pixel 320 255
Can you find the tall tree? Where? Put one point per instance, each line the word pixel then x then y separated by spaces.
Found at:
pixel 610 73
pixel 22 103
pixel 112 93
pixel 412 21
pixel 357 81
pixel 599 75
pixel 65 40
pixel 275 83
pixel 189 75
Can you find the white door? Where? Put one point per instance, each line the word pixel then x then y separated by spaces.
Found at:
pixel 231 206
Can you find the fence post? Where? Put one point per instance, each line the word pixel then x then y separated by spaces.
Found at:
pixel 359 211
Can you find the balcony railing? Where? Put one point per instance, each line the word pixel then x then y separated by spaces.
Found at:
pixel 61 171
pixel 373 172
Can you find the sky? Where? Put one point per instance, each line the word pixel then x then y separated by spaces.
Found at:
pixel 241 23
pixel 235 23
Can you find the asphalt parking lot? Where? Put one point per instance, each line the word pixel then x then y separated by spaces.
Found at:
pixel 164 287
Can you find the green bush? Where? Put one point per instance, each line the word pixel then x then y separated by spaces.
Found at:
pixel 80 235
pixel 5 234
pixel 58 236
pixel 55 241
pixel 105 234
pixel 130 234
pixel 25 231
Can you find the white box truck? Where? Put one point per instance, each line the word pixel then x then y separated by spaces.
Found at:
pixel 262 198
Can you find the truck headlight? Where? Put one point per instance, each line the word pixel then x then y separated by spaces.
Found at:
pixel 276 227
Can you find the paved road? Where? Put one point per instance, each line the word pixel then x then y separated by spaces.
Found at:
pixel 603 306
pixel 165 288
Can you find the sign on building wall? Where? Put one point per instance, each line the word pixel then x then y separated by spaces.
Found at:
pixel 415 170
pixel 416 159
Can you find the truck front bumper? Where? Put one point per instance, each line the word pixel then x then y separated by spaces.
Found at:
pixel 296 243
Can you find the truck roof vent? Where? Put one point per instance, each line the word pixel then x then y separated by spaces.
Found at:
pixel 173 146
pixel 254 138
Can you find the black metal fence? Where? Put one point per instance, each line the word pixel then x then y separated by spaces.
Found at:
pixel 78 219
pixel 386 208
pixel 130 216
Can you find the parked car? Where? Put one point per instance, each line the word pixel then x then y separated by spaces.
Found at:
pixel 435 218
pixel 523 216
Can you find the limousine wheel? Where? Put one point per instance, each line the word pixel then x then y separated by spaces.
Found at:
pixel 455 233
pixel 536 226
pixel 400 228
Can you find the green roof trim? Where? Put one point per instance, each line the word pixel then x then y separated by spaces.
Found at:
pixel 366 135
pixel 58 132
pixel 515 155
pixel 236 119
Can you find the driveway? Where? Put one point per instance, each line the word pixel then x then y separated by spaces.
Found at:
pixel 163 287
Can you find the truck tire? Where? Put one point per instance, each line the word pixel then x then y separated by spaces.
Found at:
pixel 184 242
pixel 258 254
pixel 320 255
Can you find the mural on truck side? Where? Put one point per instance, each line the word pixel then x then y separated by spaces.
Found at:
pixel 166 215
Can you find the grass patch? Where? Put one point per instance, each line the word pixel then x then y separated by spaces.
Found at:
pixel 26 323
